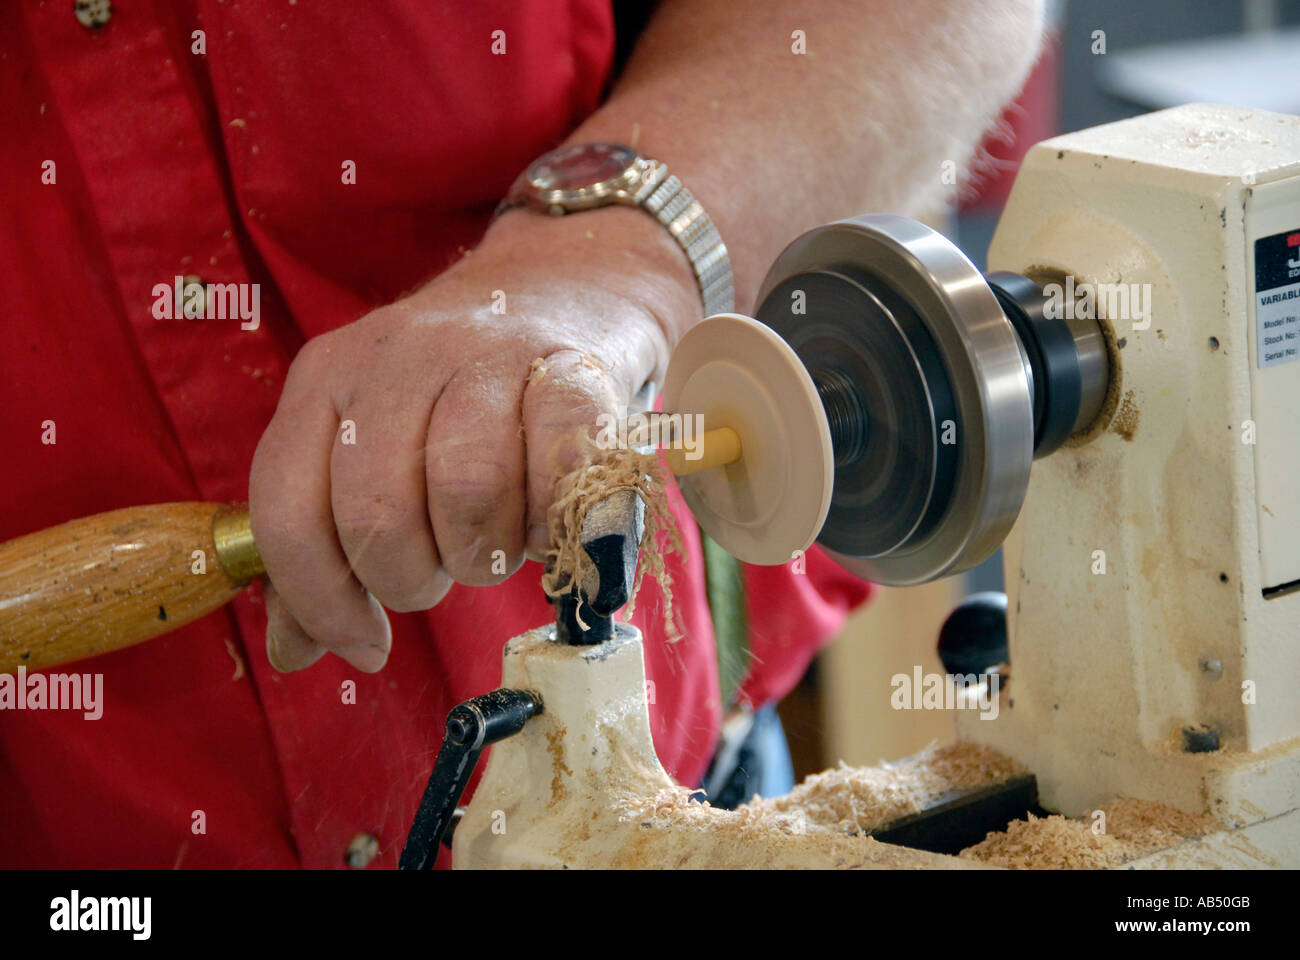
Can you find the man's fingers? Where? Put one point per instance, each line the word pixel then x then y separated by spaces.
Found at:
pixel 377 493
pixel 565 397
pixel 287 645
pixel 289 504
pixel 475 464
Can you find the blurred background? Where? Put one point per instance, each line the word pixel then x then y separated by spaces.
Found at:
pixel 1105 60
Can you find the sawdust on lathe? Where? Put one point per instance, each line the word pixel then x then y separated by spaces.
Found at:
pixel 864 799
pixel 1132 828
pixel 754 829
pixel 681 807
pixel 603 472
pixel 846 800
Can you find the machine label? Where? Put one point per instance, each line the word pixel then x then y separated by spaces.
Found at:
pixel 1277 298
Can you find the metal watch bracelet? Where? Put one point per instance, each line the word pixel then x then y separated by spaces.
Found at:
pixel 646 183
pixel 664 196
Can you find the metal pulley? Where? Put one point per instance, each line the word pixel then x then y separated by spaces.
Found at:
pixel 894 415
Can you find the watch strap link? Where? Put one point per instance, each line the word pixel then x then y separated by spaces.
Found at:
pixel 681 214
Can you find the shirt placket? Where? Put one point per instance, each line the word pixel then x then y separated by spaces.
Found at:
pixel 160 205
pixel 159 201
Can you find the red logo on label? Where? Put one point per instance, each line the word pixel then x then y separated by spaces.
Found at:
pixel 1293 240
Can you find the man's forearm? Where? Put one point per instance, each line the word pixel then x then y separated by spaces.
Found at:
pixel 774 142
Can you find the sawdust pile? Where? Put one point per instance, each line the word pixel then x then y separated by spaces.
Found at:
pixel 603 472
pixel 1132 828
pixel 859 800
pixel 679 807
pixel 847 800
pixel 749 837
pixel 864 799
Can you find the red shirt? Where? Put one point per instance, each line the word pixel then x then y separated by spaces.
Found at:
pixel 227 165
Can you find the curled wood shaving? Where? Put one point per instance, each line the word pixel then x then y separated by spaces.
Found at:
pixel 602 473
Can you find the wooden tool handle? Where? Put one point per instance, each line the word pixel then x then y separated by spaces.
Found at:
pixel 109 581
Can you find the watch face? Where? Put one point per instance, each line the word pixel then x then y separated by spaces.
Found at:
pixel 571 168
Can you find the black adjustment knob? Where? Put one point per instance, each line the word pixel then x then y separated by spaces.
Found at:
pixel 974 637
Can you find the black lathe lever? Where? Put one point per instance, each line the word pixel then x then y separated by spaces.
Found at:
pixel 471 726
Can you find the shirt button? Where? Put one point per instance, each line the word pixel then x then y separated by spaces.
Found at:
pixel 93 14
pixel 194 298
pixel 363 848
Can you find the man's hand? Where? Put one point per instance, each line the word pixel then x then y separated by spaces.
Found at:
pixel 411 446
pixel 457 445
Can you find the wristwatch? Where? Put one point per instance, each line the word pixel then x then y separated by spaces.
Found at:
pixel 591 175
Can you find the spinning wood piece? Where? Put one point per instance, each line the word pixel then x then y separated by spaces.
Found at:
pixel 740 374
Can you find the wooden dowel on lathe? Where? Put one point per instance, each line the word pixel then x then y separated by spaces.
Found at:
pixel 716 447
pixel 105 582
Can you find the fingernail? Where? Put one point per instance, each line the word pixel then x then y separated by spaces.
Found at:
pixel 370 658
pixel 273 650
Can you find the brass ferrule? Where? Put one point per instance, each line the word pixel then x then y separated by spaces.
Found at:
pixel 232 537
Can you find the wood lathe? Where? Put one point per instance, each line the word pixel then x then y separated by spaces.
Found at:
pixel 1135 339
pixel 1151 556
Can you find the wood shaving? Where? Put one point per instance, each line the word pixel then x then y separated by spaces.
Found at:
pixel 844 800
pixel 1132 828
pixel 864 799
pixel 681 807
pixel 749 838
pixel 239 661
pixel 602 473
pixel 860 800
